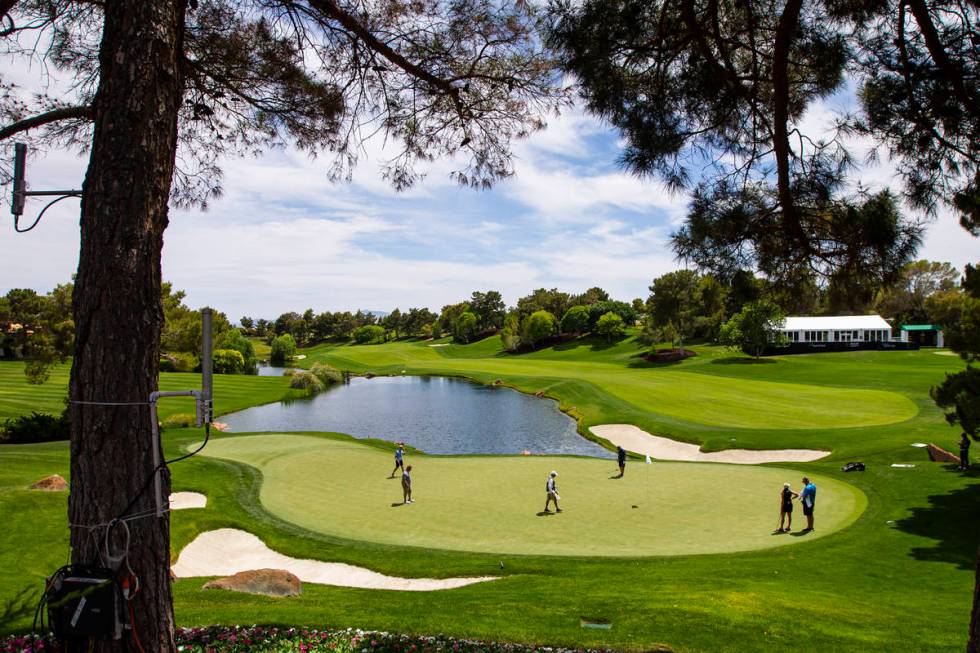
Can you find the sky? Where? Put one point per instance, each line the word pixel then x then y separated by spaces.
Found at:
pixel 284 238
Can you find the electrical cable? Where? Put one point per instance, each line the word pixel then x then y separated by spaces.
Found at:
pixel 41 214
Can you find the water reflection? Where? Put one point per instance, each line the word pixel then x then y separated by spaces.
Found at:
pixel 434 414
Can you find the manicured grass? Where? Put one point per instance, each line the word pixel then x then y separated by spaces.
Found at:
pixel 231 392
pixel 850 403
pixel 492 504
pixel 899 578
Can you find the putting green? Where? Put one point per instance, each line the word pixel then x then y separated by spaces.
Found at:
pixel 491 504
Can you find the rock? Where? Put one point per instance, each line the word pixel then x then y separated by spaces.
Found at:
pixel 51 484
pixel 270 582
pixel 539 393
pixel 938 455
pixel 498 382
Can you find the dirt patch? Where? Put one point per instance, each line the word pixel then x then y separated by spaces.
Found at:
pixel 53 483
pixel 268 582
pixel 669 355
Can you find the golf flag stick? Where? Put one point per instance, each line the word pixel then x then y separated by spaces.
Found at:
pixel 649 462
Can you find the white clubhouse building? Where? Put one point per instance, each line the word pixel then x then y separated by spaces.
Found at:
pixel 844 328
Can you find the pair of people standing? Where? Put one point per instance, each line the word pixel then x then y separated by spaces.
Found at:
pixel 406 473
pixel 808 499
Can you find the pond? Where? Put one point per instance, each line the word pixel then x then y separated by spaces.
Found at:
pixel 434 414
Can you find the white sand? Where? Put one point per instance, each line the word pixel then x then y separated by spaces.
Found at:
pixel 637 440
pixel 441 344
pixel 185 500
pixel 228 551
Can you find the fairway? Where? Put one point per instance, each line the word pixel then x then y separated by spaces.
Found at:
pixel 491 504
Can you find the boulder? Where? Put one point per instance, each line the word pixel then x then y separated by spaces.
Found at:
pixel 52 483
pixel 938 455
pixel 270 582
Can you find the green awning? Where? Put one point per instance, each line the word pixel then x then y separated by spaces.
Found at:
pixel 921 327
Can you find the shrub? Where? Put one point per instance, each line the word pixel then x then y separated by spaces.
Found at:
pixel 368 333
pixel 228 361
pixel 575 320
pixel 233 339
pixel 537 326
pixel 36 427
pixel 306 380
pixel 283 348
pixel 178 361
pixel 179 421
pixel 465 327
pixel 625 311
pixel 327 374
pixel 610 325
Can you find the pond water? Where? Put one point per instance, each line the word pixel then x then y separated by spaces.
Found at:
pixel 434 414
pixel 269 370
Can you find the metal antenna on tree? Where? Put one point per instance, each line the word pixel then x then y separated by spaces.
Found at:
pixel 21 193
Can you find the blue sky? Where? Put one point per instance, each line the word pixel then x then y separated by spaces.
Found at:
pixel 284 238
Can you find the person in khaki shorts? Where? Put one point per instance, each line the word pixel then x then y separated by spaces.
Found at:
pixel 551 489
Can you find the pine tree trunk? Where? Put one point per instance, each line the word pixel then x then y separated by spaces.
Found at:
pixel 974 644
pixel 116 303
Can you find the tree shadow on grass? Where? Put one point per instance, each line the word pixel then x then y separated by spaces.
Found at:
pixel 951 520
pixel 743 360
pixel 18 607
pixel 639 360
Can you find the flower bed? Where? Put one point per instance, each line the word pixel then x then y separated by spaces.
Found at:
pixel 261 639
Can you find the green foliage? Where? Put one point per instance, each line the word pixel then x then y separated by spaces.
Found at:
pixel 306 381
pixel 674 301
pixel 510 334
pixel 368 333
pixel 465 327
pixel 575 320
pixel 283 348
pixel 753 328
pixel 610 325
pixel 625 312
pixel 234 339
pixel 553 301
pixel 36 427
pixel 228 361
pixel 328 374
pixel 536 327
pixel 959 394
pixel 907 299
pixel 489 309
pixel 178 362
pixel 179 421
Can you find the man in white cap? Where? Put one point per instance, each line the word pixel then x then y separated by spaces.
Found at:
pixel 551 488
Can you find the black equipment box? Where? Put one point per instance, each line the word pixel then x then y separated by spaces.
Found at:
pixel 83 602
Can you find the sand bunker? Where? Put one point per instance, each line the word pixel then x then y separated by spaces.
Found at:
pixel 637 440
pixel 185 500
pixel 227 551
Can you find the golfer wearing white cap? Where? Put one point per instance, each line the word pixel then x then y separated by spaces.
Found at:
pixel 551 488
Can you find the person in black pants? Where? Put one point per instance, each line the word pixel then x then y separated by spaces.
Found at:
pixel 965 452
pixel 621 459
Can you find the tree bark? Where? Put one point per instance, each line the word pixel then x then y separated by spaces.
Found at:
pixel 116 303
pixel 785 32
pixel 973 646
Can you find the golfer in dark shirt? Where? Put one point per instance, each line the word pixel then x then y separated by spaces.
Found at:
pixel 965 452
pixel 786 496
pixel 621 459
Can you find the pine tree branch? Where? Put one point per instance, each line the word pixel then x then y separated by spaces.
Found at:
pixel 65 113
pixel 330 9
pixel 947 68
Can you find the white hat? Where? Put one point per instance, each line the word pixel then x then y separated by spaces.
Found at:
pixel 554 473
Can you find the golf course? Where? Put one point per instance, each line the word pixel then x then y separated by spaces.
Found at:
pixel 673 556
